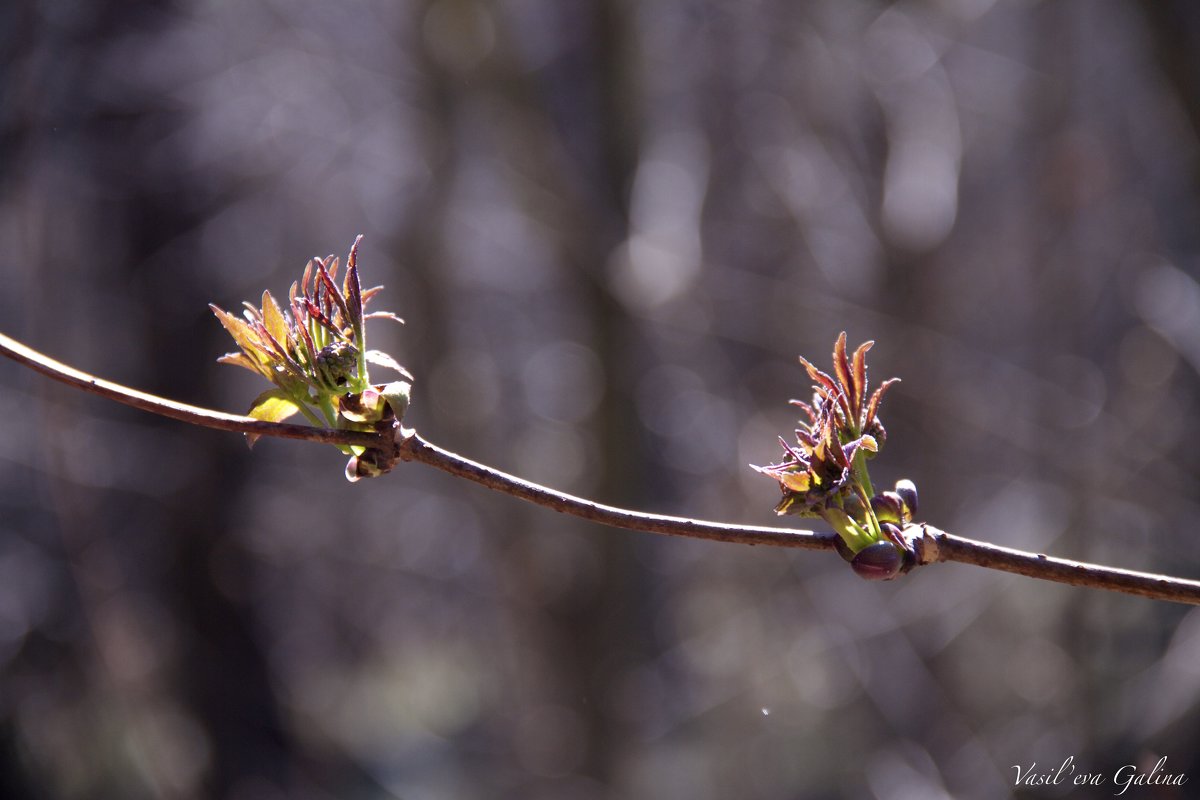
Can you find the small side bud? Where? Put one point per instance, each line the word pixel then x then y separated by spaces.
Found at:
pixel 367 406
pixel 908 493
pixel 398 395
pixel 371 464
pixel 889 507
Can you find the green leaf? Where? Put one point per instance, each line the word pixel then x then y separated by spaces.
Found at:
pixel 241 332
pixel 245 336
pixel 271 406
pixel 273 318
pixel 382 359
pixel 397 395
pixel 243 360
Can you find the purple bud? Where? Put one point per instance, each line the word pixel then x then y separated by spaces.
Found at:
pixel 880 561
pixel 371 464
pixel 888 507
pixel 908 493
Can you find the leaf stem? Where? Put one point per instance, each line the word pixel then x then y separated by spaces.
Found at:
pixel 862 475
pixel 302 401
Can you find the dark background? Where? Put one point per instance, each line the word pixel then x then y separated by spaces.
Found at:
pixel 611 227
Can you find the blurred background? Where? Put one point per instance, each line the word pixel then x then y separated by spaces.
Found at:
pixel 611 227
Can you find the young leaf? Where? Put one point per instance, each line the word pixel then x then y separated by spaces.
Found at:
pixel 397 395
pixel 243 360
pixel 859 372
pixel 352 288
pixel 271 406
pixel 273 319
pixel 841 368
pixel 382 359
pixel 362 407
pixel 873 405
pixel 242 333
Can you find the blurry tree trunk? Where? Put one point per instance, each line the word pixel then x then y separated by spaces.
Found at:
pixel 221 669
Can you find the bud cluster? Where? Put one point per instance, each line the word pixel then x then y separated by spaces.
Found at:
pixel 824 474
pixel 315 354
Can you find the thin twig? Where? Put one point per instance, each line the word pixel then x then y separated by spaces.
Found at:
pixel 948 547
pixel 933 545
pixel 414 448
pixel 181 411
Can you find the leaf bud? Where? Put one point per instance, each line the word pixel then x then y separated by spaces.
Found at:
pixel 336 364
pixel 880 561
pixel 889 507
pixel 908 493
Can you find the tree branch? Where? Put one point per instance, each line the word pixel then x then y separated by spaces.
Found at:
pixel 195 415
pixel 414 448
pixel 932 545
pixel 941 546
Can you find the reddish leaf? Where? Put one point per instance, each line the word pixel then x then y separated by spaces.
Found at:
pixel 873 406
pixel 859 372
pixel 306 281
pixel 841 368
pixel 334 295
pixel 353 289
pixel 384 315
pixel 825 385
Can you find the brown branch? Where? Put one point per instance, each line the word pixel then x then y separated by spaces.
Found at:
pixel 933 545
pixel 941 546
pixel 414 448
pixel 180 411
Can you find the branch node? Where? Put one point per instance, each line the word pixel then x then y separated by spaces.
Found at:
pixel 403 440
pixel 926 544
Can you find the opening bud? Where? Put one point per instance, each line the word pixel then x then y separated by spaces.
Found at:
pixel 908 493
pixel 889 507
